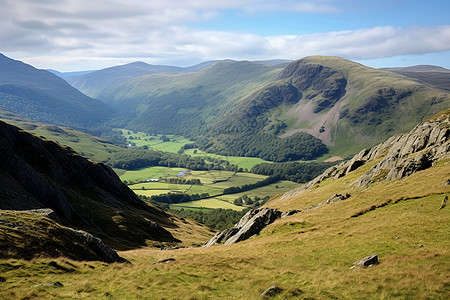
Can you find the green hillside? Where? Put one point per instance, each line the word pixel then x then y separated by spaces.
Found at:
pixel 244 108
pixel 307 255
pixel 45 97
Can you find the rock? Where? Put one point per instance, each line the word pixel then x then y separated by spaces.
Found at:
pixel 164 260
pixel 271 292
pixel 98 247
pixel 289 213
pixel 444 202
pixel 46 212
pixel 252 223
pixel 249 225
pixel 367 261
pixel 56 283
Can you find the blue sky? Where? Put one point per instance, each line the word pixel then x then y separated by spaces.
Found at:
pixel 70 35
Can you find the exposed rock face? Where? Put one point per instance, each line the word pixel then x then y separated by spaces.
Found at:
pixel 400 156
pixel 249 225
pixel 36 173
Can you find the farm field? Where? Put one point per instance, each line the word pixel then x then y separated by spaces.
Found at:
pixel 176 142
pixel 213 182
pixel 207 203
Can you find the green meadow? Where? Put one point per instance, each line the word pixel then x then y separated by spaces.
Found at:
pixel 213 182
pixel 176 142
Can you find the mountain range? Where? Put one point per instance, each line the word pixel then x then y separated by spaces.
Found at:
pixel 346 105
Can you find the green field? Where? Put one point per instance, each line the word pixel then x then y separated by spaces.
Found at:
pixel 207 203
pixel 176 142
pixel 212 182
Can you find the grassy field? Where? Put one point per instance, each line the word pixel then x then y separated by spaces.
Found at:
pixel 207 203
pixel 176 142
pixel 308 255
pixel 212 182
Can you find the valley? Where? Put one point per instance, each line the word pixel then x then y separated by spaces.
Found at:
pixel 115 193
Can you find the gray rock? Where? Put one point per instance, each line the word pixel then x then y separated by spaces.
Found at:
pixel 98 247
pixel 271 292
pixel 285 214
pixel 444 202
pixel 164 260
pixel 56 283
pixel 367 261
pixel 45 212
pixel 249 225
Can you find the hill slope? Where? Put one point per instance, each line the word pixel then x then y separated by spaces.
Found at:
pixel 307 255
pixel 45 97
pixel 37 173
pixel 234 107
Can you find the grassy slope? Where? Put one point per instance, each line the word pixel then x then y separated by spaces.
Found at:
pixel 308 255
pixel 362 83
pixel 88 145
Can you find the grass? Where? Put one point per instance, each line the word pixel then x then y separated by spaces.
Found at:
pixel 207 203
pixel 213 182
pixel 308 255
pixel 87 145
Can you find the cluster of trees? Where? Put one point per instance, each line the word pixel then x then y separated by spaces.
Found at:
pixel 174 198
pixel 247 187
pixel 294 171
pixel 183 181
pixel 249 201
pixel 218 219
pixel 136 158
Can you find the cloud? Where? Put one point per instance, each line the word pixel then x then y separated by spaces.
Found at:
pixel 86 34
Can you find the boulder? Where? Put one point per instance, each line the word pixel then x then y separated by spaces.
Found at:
pixel 56 283
pixel 164 260
pixel 250 224
pixel 367 261
pixel 98 247
pixel 271 292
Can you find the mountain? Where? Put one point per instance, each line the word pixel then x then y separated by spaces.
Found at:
pixel 256 109
pixel 97 83
pixel 36 173
pixel 433 75
pixel 45 97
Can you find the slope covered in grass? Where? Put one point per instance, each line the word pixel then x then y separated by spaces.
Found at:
pixel 308 255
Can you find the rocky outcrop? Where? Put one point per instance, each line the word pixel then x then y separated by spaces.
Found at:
pixel 104 252
pixel 249 225
pixel 30 234
pixel 399 156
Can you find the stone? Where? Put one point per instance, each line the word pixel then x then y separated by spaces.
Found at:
pixel 367 261
pixel 271 292
pixel 98 247
pixel 56 283
pixel 444 202
pixel 249 225
pixel 164 260
pixel 45 212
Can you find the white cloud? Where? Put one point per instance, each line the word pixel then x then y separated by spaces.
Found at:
pixel 86 34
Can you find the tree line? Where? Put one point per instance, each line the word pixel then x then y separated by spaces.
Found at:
pixel 293 171
pixel 132 159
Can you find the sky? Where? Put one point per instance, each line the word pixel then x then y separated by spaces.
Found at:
pixel 75 35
